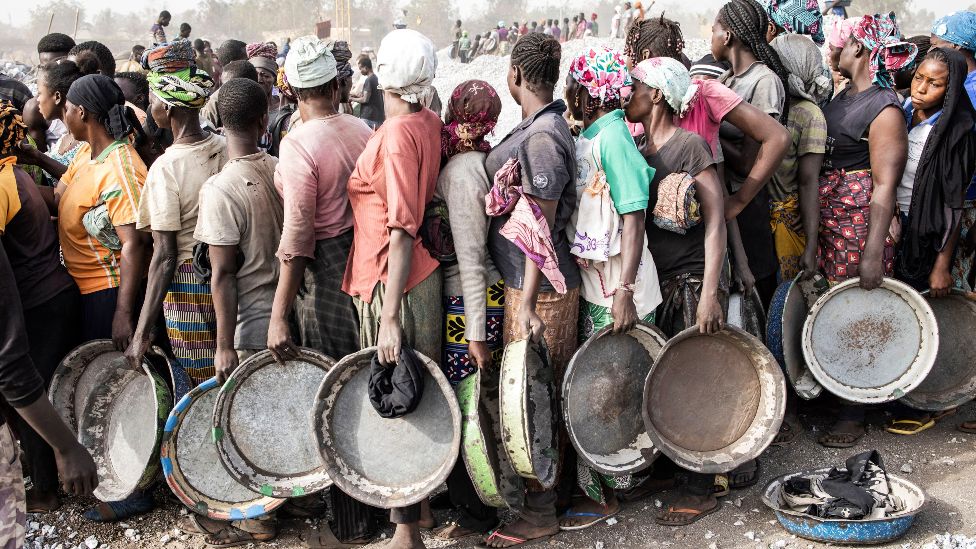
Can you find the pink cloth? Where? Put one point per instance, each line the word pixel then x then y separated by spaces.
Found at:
pixel 706 112
pixel 840 32
pixel 527 227
pixel 315 162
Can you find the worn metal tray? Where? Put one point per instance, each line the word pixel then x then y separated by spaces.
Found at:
pixel 784 337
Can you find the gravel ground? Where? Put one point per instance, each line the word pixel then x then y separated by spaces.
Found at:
pixel 937 460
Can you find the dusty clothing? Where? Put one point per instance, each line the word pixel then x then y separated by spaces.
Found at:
pixel 240 207
pixel 706 112
pixel 420 316
pixel 848 119
pixel 327 318
pixel 13 499
pixel 171 195
pixel 394 179
pixel 312 176
pixel 808 135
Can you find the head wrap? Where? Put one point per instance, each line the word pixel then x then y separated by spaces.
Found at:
pixel 602 72
pixel 958 28
pixel 263 55
pixel 671 77
pixel 309 63
pixel 169 56
pixel 809 76
pixel 708 66
pixel 798 17
pixel 102 98
pixel 12 128
pixel 187 88
pixel 472 113
pixel 342 54
pixel 283 87
pixel 840 32
pixel 406 64
pixel 880 34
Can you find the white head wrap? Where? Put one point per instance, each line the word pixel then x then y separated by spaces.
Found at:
pixel 309 63
pixel 809 76
pixel 672 78
pixel 406 64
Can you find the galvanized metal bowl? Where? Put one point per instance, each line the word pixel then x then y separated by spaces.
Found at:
pixel 385 462
pixel 262 424
pixel 714 402
pixel 848 532
pixel 193 469
pixel 485 459
pixel 122 425
pixel 784 337
pixel 952 380
pixel 870 346
pixel 528 411
pixel 746 312
pixel 171 371
pixel 77 376
pixel 602 397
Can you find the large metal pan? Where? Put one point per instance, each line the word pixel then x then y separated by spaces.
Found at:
pixel 784 337
pixel 746 312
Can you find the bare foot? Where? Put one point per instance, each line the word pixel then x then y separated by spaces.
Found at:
pixel 427 520
pixel 406 536
pixel 453 530
pixel 42 502
pixel 519 529
pixel 587 512
pixel 844 434
pixel 646 488
pixel 686 509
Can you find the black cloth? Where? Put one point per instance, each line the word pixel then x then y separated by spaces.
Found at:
pixel 97 313
pixel 15 91
pixel 372 104
pixel 473 514
pixel 20 384
pixel 848 119
pixel 850 493
pixel 943 174
pixel 351 519
pixel 396 391
pixel 102 97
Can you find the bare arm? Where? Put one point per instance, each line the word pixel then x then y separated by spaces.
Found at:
pixel 279 336
pixel 773 141
pixel 135 259
pixel 162 267
pixel 223 281
pixel 709 315
pixel 529 322
pixel 808 173
pixel 29 154
pixel 390 334
pixel 888 147
pixel 624 310
pixel 75 465
pixel 940 279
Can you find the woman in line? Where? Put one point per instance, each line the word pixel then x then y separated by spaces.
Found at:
pixel 535 163
pixel 795 17
pixel 474 293
pixel 620 282
pixel 930 196
pixel 98 198
pixel 863 165
pixel 691 264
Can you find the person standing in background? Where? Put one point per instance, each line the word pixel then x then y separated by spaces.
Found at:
pixel 158 29
pixel 625 19
pixel 134 62
pixel 371 100
pixel 594 28
pixel 185 31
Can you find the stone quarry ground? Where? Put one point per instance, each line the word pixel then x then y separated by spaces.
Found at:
pixel 940 460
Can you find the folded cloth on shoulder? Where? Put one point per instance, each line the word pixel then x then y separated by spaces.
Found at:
pixel 861 491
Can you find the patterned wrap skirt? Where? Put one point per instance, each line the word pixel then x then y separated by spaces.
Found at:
pixel 13 499
pixel 191 323
pixel 784 220
pixel 845 211
pixel 962 261
pixel 456 361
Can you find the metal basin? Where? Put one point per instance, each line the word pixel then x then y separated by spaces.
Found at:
pixel 714 402
pixel 848 532
pixel 262 424
pixel 603 393
pixel 375 459
pixel 870 347
pixel 746 312
pixel 784 337
pixel 77 376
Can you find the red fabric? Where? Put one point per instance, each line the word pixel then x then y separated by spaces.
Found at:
pixel 845 210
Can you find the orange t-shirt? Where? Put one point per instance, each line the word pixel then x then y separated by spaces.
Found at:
pixel 115 178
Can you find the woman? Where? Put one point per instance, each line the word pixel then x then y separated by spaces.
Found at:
pixel 97 200
pixel 474 293
pixel 535 163
pixel 795 17
pixel 619 279
pixel 930 196
pixel 861 171
pixel 840 32
pixel 690 265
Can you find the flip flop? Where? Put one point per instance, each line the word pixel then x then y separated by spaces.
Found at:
pixel 746 477
pixel 786 436
pixel 231 536
pixel 968 427
pixel 515 540
pixel 912 426
pixel 855 437
pixel 195 524
pixel 721 487
pixel 326 539
pixel 597 518
pixel 645 488
pixel 438 532
pixel 695 515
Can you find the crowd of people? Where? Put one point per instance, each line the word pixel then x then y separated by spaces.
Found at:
pixel 223 206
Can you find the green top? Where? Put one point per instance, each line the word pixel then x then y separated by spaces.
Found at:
pixel 628 174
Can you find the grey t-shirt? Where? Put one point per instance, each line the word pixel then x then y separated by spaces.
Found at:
pixel 240 206
pixel 544 147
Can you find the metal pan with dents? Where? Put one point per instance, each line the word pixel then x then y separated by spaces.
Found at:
pixel 192 468
pixel 379 461
pixel 528 411
pixel 746 312
pixel 122 425
pixel 77 376
pixel 952 380
pixel 870 346
pixel 602 397
pixel 484 457
pixel 714 402
pixel 784 337
pixel 262 424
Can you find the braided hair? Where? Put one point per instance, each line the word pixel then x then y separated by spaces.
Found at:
pixel 661 37
pixel 748 21
pixel 537 55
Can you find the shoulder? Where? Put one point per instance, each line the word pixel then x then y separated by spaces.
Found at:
pixel 550 127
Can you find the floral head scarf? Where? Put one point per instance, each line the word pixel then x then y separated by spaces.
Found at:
pixel 798 17
pixel 12 129
pixel 602 72
pixel 170 56
pixel 672 78
pixel 840 32
pixel 957 28
pixel 282 83
pixel 889 52
pixel 472 113
pixel 189 87
pixel 263 55
pixel 809 76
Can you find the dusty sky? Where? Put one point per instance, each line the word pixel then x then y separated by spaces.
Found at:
pixel 17 12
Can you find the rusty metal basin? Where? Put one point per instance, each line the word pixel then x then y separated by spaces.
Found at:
pixel 870 347
pixel 385 462
pixel 262 424
pixel 77 376
pixel 746 312
pixel 714 402
pixel 602 397
pixel 952 380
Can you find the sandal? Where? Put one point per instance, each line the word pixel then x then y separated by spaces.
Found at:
pixel 909 427
pixel 721 486
pixel 968 427
pixel 785 436
pixel 446 532
pixel 196 524
pixel 325 539
pixel 645 488
pixel 842 438
pixel 693 515
pixel 304 507
pixel 745 475
pixel 514 540
pixel 233 536
pixel 113 511
pixel 597 518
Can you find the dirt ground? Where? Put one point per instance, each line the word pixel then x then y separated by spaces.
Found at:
pixel 940 460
